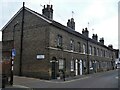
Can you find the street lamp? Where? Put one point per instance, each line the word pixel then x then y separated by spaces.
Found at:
pixel 13 54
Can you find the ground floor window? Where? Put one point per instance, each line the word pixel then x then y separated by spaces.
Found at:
pixel 61 64
pixel 90 63
pixel 72 65
pixel 84 63
pixel 108 65
pixel 98 65
pixel 101 65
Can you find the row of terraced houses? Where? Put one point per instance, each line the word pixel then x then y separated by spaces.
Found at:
pixel 45 48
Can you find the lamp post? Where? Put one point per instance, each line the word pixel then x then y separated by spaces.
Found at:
pixel 13 54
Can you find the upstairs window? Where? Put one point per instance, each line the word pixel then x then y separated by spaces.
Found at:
pixel 59 41
pixel 104 53
pixel 79 47
pixel 97 51
pixel 101 52
pixel 94 50
pixel 84 48
pixel 72 45
pixel 90 50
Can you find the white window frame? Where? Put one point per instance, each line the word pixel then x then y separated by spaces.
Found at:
pixel 61 64
pixel 84 48
pixel 90 63
pixel 97 53
pixel 79 47
pixel 72 65
pixel 84 63
pixel 90 50
pixel 59 40
pixel 72 45
pixel 101 51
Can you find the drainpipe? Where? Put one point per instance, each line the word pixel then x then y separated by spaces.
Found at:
pixel 88 58
pixel 21 46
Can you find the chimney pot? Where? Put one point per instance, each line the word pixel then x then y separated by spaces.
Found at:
pixel 110 46
pixel 85 32
pixel 48 6
pixel 68 20
pixel 72 20
pixel 51 6
pixel 86 28
pixel 95 37
pixel 101 40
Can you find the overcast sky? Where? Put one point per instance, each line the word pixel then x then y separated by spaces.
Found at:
pixel 102 15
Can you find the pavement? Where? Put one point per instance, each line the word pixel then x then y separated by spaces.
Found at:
pixel 18 80
pixel 16 86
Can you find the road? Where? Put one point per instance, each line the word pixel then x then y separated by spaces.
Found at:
pixel 107 79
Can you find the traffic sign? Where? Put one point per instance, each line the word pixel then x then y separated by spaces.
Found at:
pixel 13 52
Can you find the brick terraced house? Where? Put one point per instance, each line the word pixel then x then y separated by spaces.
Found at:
pixel 45 48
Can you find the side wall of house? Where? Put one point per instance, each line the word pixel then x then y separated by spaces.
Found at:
pixel 35 40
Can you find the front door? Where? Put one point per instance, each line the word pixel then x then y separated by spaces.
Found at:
pixel 53 71
pixel 76 67
pixel 80 67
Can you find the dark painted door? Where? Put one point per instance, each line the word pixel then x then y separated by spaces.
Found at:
pixel 53 71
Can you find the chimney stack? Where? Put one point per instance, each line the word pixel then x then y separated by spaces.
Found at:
pixel 95 37
pixel 101 40
pixel 85 32
pixel 110 46
pixel 48 11
pixel 71 23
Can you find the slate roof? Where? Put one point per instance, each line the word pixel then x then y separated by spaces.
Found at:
pixel 58 25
